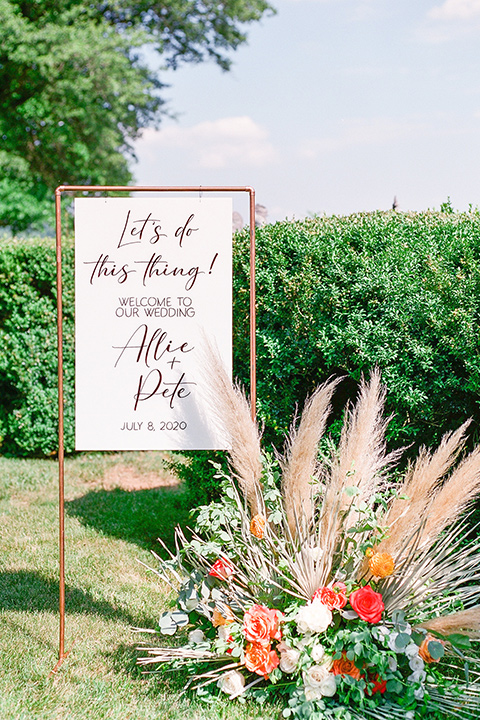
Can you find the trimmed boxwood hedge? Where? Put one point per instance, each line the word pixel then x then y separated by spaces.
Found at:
pixel 335 295
pixel 28 347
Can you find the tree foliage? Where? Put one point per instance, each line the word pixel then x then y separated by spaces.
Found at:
pixel 77 89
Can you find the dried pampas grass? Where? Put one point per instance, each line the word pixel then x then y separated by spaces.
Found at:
pixel 465 622
pixel 417 490
pixel 300 465
pixel 232 410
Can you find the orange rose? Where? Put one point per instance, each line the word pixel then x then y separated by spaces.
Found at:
pixel 424 652
pixel 345 667
pixel 381 565
pixel 261 624
pixel 257 526
pixel 222 569
pixel 368 604
pixel 260 659
pixel 334 598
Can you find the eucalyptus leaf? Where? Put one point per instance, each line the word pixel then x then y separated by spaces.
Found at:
pixel 436 649
pixel 402 640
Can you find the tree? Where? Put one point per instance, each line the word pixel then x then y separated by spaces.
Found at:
pixel 76 89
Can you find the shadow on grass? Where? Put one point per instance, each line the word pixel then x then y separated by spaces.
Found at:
pixel 163 678
pixel 31 592
pixel 137 516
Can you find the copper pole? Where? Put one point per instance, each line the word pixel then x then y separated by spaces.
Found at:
pixel 253 309
pixel 61 451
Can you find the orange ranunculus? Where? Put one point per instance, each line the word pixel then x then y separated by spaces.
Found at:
pixel 260 659
pixel 261 624
pixel 257 526
pixel 219 619
pixel 222 569
pixel 335 597
pixel 381 565
pixel 344 666
pixel 368 604
pixel 424 652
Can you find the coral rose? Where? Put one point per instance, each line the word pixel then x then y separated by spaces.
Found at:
pixel 381 565
pixel 368 604
pixel 344 666
pixel 222 569
pixel 257 526
pixel 335 597
pixel 261 624
pixel 260 659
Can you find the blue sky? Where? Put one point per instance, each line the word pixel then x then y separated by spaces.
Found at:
pixel 334 106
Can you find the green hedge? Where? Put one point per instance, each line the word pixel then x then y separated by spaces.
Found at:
pixel 339 295
pixel 335 295
pixel 28 347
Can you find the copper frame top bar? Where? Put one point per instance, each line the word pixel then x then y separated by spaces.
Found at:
pixel 61 448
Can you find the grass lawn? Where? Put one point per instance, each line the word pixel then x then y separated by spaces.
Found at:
pixel 113 517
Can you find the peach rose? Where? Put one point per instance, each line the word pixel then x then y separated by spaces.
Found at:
pixel 335 597
pixel 222 569
pixel 368 604
pixel 261 624
pixel 260 659
pixel 344 666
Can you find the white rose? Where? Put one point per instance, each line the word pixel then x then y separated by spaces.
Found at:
pixel 416 663
pixel 328 687
pixel 318 651
pixel 231 683
pixel 316 680
pixel 288 658
pixel 314 617
pixel 196 636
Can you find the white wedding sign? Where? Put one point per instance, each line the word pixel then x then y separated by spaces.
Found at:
pixel 153 279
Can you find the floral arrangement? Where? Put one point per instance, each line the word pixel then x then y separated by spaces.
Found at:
pixel 327 580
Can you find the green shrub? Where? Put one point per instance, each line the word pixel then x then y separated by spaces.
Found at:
pixel 339 295
pixel 28 347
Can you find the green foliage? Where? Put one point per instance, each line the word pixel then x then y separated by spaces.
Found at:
pixel 28 348
pixel 77 88
pixel 340 295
